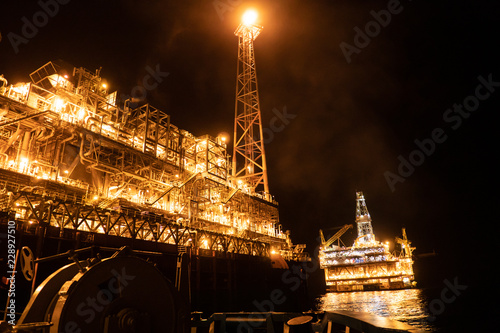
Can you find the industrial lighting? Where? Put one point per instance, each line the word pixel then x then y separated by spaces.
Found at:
pixel 223 211
pixel 59 104
pixel 250 17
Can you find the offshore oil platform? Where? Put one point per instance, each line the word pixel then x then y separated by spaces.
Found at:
pixel 367 264
pixel 71 158
pixel 117 221
pixel 82 174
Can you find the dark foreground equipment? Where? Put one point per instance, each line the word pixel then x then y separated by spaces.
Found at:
pixel 123 294
pixel 127 294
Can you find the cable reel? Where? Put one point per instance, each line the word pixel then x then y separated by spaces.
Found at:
pixel 121 294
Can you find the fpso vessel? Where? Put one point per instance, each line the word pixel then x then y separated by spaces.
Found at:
pixel 368 264
pixel 79 168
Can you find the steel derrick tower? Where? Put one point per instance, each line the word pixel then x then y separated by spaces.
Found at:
pixel 363 220
pixel 249 157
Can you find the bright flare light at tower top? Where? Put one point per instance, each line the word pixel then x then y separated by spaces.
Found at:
pixel 250 17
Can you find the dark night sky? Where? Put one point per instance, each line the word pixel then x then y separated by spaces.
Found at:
pixel 352 120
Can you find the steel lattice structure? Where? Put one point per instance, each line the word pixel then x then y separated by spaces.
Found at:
pixel 71 158
pixel 363 220
pixel 249 157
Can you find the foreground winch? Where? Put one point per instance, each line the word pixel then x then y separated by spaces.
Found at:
pixel 118 294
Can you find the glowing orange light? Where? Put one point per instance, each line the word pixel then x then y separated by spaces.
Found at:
pixel 250 17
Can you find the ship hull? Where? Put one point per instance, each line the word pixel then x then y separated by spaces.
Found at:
pixel 362 286
pixel 210 280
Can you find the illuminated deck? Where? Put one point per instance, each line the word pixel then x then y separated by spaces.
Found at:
pixel 365 269
pixel 73 157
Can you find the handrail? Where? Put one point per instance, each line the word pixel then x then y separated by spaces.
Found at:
pixel 279 322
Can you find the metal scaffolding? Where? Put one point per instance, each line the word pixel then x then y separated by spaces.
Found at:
pixel 249 157
pixel 72 159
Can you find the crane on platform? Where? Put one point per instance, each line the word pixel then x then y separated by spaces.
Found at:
pixel 325 244
pixel 407 249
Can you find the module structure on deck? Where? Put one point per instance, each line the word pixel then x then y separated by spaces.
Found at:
pixel 368 264
pixel 74 158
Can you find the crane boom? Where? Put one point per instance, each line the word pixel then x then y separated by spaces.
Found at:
pixel 334 237
pixel 405 244
pixel 321 236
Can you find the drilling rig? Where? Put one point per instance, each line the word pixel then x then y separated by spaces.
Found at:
pixel 368 264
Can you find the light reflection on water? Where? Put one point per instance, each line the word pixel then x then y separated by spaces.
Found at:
pixel 406 305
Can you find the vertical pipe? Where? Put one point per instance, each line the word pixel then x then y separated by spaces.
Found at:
pixel 145 135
